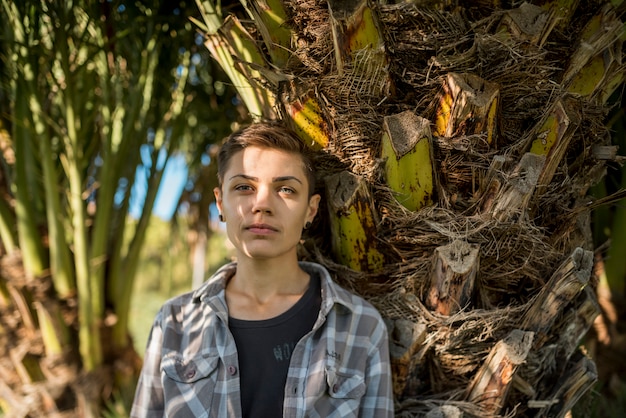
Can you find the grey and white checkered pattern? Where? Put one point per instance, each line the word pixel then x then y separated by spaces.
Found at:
pixel 339 369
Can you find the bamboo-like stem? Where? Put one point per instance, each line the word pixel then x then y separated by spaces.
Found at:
pixel 139 108
pixel 89 333
pixel 8 234
pixel 60 257
pixel 54 332
pixel 211 14
pixel 26 214
pixel 29 238
pixel 116 143
pixel 129 265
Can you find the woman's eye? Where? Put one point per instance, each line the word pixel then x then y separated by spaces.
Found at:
pixel 243 187
pixel 287 190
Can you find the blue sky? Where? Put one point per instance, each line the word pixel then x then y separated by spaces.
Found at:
pixel 175 177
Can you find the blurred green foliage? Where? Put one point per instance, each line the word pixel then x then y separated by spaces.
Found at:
pixel 93 97
pixel 166 269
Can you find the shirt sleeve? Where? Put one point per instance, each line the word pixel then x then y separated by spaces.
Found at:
pixel 378 399
pixel 148 400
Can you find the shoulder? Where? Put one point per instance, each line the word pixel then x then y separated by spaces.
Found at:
pixel 177 311
pixel 187 306
pixel 216 283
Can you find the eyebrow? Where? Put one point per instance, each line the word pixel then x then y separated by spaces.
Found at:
pixel 274 180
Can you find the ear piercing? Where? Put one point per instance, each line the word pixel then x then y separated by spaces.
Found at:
pixel 221 218
pixel 307 225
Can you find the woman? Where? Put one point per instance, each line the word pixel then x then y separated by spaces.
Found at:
pixel 267 336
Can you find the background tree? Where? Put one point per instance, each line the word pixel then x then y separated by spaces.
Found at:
pixel 95 96
pixel 460 143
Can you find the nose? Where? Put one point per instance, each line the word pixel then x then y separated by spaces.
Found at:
pixel 263 201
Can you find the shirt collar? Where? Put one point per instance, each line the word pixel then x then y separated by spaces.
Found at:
pixel 332 294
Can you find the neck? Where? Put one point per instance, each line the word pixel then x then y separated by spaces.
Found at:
pixel 265 278
pixel 262 289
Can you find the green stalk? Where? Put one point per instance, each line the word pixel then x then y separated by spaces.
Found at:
pixel 227 39
pixel 211 15
pixel 60 258
pixel 29 237
pixel 355 28
pixel 7 232
pixel 111 121
pixel 354 223
pixel 24 186
pixel 88 332
pixel 142 100
pixel 129 265
pixel 54 332
pixel 270 18
pixel 89 336
pixel 408 156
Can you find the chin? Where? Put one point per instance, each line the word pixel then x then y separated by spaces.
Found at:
pixel 266 253
pixel 259 253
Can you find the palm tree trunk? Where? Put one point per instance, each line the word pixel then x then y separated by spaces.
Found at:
pixel 462 141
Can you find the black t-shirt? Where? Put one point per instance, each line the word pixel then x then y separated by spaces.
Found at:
pixel 264 350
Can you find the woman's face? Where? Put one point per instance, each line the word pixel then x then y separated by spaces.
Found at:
pixel 264 201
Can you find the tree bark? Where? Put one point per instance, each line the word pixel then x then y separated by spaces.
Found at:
pixel 452 277
pixel 492 381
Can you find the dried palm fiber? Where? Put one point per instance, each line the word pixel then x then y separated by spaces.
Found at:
pixel 313 43
pixel 519 252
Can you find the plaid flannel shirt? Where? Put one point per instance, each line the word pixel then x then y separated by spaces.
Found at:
pixel 339 369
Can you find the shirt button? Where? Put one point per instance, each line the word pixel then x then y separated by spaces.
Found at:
pixel 190 374
pixel 335 388
pixel 232 370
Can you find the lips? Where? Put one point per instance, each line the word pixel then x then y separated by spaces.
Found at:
pixel 261 229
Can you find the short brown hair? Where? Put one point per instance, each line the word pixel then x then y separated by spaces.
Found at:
pixel 266 135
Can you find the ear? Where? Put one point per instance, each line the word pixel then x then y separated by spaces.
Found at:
pixel 218 198
pixel 314 202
